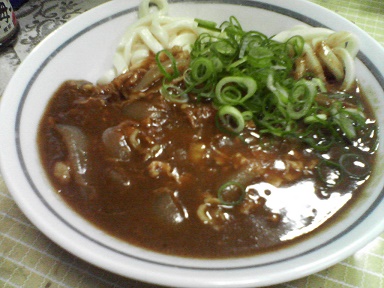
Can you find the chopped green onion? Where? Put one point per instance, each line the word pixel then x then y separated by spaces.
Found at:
pixel 210 25
pixel 248 77
pixel 202 69
pixel 329 172
pixel 346 125
pixel 261 57
pixel 231 119
pixel 251 39
pixel 278 90
pixel 163 70
pixel 355 165
pixel 356 115
pixel 224 48
pixel 319 85
pixel 319 118
pixel 174 94
pixel 231 193
pixel 295 46
pixel 247 115
pixel 229 90
pixel 301 99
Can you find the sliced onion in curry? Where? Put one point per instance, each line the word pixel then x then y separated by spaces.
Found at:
pixel 77 145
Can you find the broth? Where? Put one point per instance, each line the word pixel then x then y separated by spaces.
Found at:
pixel 147 171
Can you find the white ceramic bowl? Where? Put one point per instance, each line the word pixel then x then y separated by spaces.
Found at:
pixel 83 49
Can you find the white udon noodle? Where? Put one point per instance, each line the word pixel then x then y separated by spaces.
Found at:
pixel 155 31
pixel 325 48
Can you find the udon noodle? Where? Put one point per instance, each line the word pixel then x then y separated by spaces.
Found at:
pixel 156 31
pixel 153 32
pixel 335 51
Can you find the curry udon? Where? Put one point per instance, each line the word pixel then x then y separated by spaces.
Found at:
pixel 164 166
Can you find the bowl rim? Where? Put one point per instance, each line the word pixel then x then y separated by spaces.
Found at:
pixel 80 21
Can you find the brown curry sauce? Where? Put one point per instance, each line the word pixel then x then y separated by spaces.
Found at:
pixel 147 171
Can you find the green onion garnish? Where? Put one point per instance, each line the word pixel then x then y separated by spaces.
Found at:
pixel 231 119
pixel 355 165
pixel 248 77
pixel 231 193
pixel 175 71
pixel 210 25
pixel 329 172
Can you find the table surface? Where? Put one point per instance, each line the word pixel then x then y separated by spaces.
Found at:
pixel 30 259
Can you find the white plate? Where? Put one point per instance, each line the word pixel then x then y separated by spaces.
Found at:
pixel 83 49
